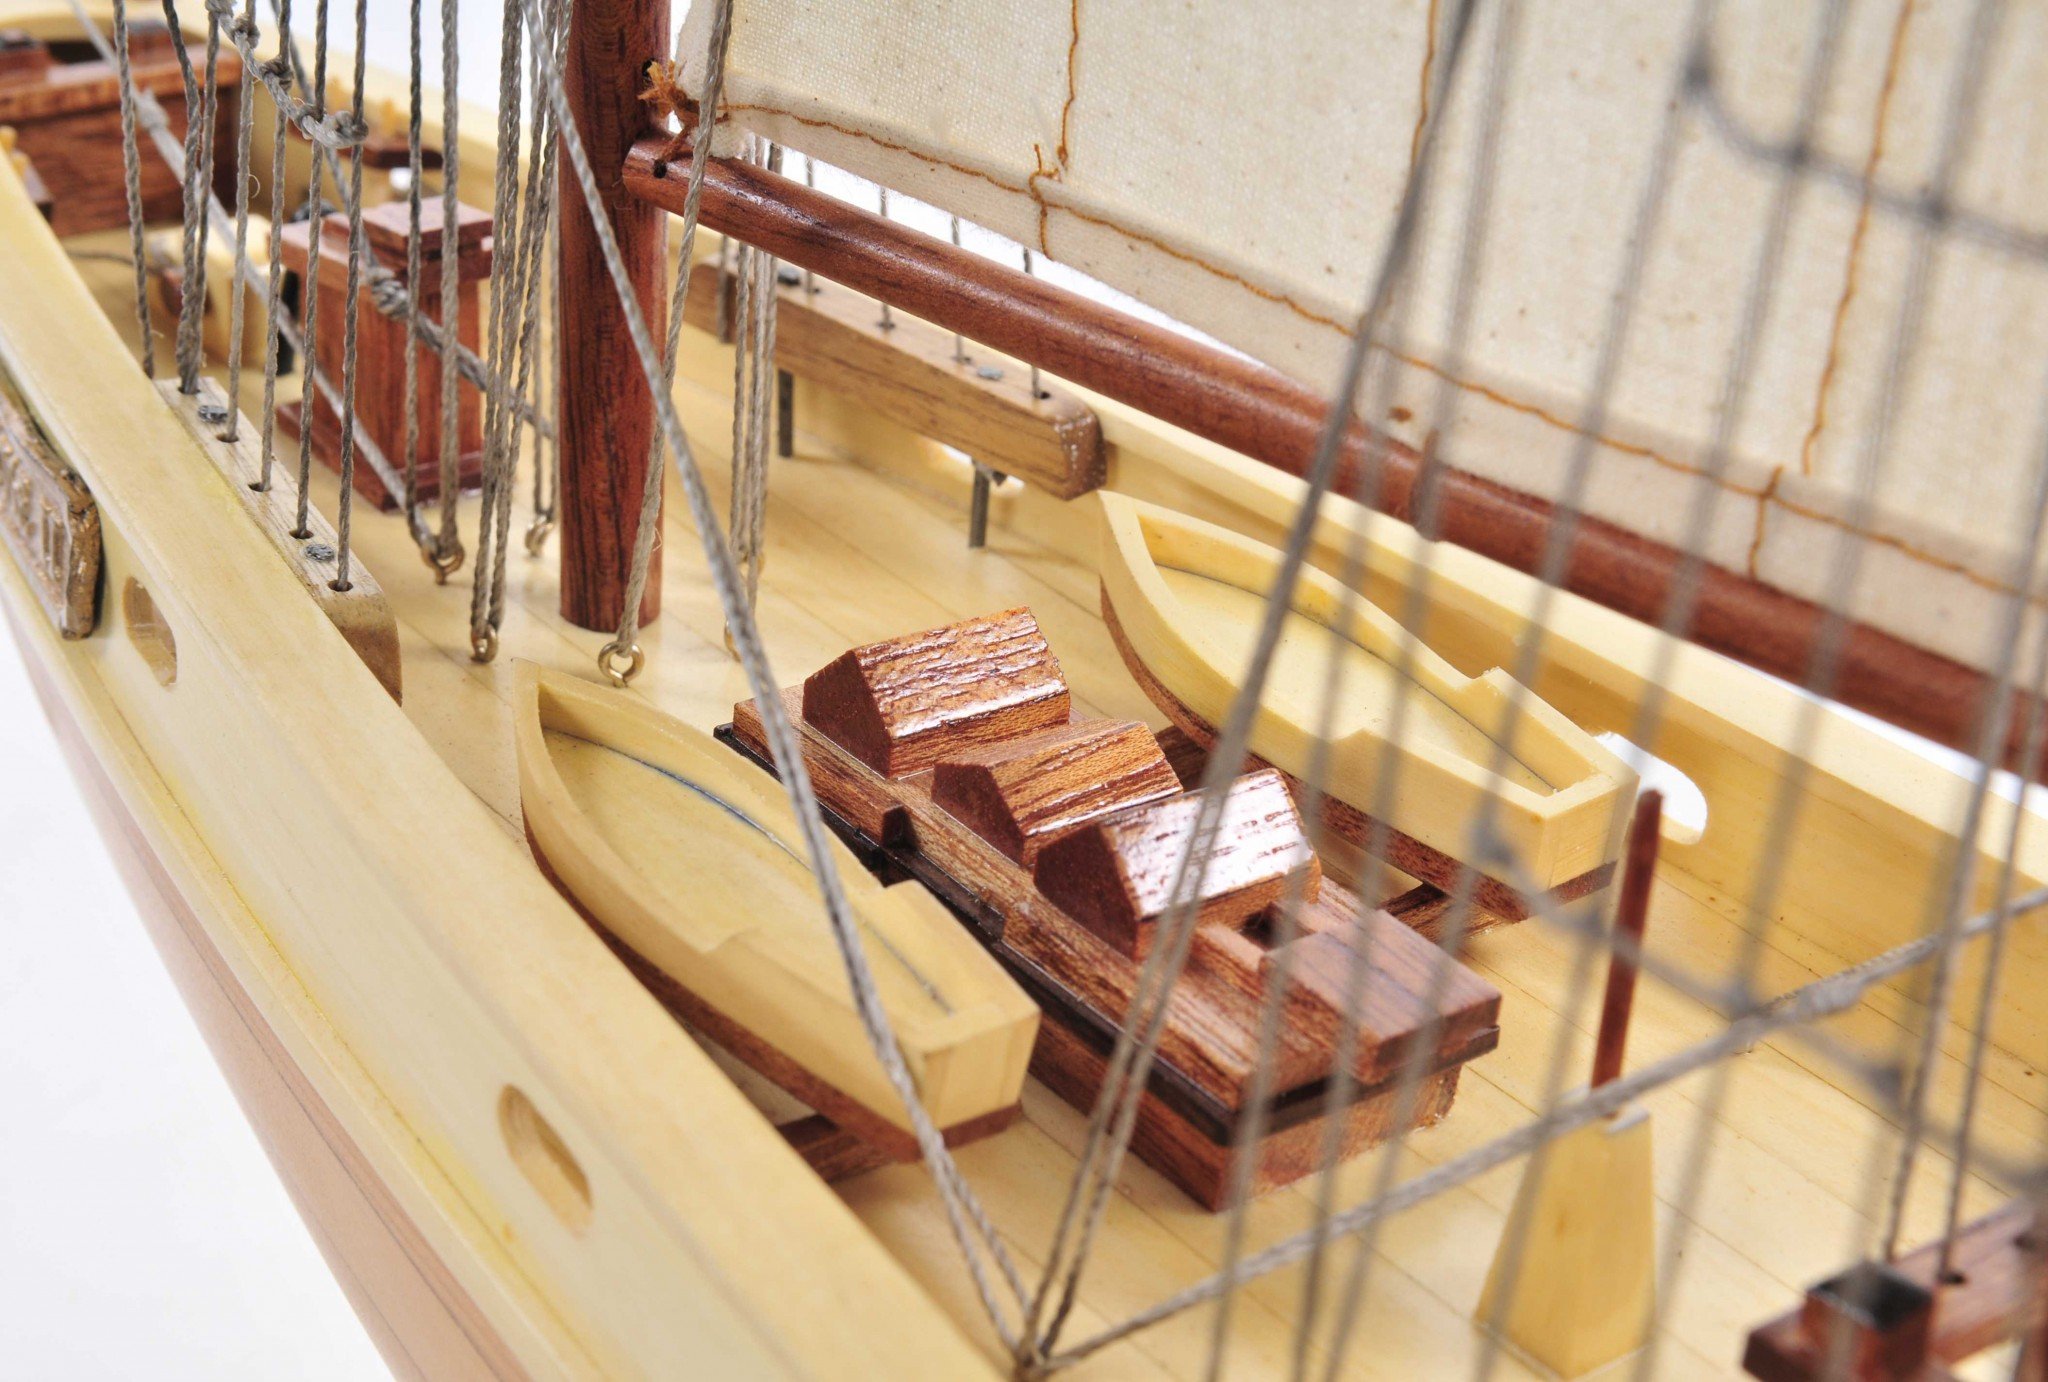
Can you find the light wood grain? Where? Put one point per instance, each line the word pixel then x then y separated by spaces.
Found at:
pixel 361 613
pixel 865 539
pixel 832 338
pixel 696 863
pixel 428 931
pixel 1188 596
pixel 1578 1289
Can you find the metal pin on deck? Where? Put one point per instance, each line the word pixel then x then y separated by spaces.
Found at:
pixel 986 479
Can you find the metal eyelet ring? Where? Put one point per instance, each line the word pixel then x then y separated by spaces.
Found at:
pixel 483 647
pixel 444 564
pixel 537 535
pixel 608 661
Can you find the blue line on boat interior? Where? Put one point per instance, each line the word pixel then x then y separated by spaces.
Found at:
pixel 931 990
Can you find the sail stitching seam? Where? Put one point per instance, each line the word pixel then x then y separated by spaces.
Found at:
pixel 1904 546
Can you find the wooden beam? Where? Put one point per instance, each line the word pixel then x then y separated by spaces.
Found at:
pixel 1263 414
pixel 907 372
pixel 607 415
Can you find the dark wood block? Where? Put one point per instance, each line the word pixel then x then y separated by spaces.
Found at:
pixel 1197 1093
pixel 1179 1149
pixel 1880 1321
pixel 1115 876
pixel 385 229
pixel 22 57
pixel 1021 794
pixel 68 118
pixel 381 345
pixel 902 704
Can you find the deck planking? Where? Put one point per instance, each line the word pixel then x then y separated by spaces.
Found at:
pixel 860 551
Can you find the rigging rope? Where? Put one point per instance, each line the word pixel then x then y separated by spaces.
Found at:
pixel 415 170
pixel 245 125
pixel 1804 1006
pixel 351 314
pixel 131 177
pixel 1116 1107
pixel 964 1214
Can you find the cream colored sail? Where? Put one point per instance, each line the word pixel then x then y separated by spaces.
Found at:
pixel 1239 167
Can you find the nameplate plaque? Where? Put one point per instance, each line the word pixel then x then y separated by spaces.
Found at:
pixel 48 522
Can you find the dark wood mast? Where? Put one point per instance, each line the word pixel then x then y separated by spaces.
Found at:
pixel 607 415
pixel 1631 916
pixel 1261 413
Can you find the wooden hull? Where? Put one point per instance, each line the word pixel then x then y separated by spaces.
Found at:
pixel 462 1028
pixel 357 869
pixel 415 1309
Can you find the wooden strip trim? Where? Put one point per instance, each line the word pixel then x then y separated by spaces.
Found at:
pixel 1261 413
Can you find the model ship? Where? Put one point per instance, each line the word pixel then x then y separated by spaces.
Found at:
pixel 993 862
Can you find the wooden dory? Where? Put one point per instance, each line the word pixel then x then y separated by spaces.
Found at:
pixel 1184 598
pixel 692 860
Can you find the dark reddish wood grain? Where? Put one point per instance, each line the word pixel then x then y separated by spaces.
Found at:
pixel 1631 915
pixel 68 117
pixel 1349 834
pixel 382 342
pixel 1994 1292
pixel 901 704
pixel 1265 415
pixel 1115 876
pixel 1023 792
pixel 606 422
pixel 1408 989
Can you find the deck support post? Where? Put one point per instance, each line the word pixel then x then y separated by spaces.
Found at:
pixel 607 415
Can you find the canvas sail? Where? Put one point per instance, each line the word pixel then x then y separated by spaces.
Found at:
pixel 1240 170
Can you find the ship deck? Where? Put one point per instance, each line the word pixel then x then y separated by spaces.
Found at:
pixel 867 540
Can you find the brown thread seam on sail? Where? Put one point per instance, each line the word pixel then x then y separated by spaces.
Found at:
pixel 1880 118
pixel 1904 546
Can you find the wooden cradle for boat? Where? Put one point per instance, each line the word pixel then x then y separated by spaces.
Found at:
pixel 519 1164
pixel 1183 599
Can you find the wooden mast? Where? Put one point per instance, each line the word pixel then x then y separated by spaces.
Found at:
pixel 607 415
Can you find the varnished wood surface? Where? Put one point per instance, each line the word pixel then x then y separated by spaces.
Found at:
pixel 607 415
pixel 69 118
pixel 381 345
pixel 360 612
pixel 1995 1293
pixel 857 552
pixel 1349 831
pixel 424 1324
pixel 1022 794
pixel 1115 875
pixel 861 552
pixel 1265 415
pixel 900 703
pixel 832 337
